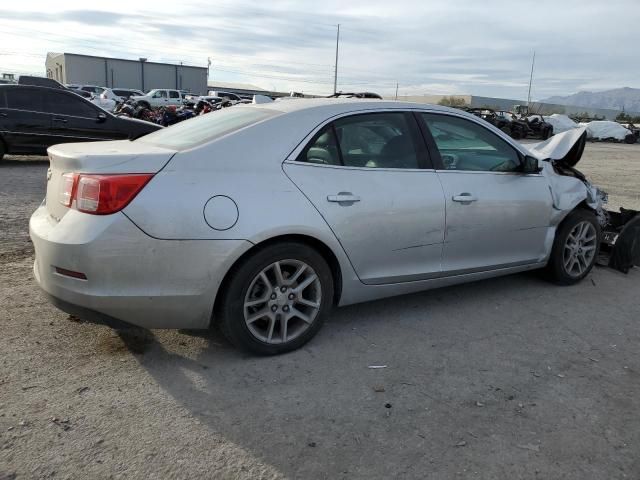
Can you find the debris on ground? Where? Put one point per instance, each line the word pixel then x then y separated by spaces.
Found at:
pixel 530 446
pixel 461 443
pixel 378 388
pixel 61 423
pixel 375 367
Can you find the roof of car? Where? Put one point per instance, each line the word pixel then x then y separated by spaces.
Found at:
pixel 348 105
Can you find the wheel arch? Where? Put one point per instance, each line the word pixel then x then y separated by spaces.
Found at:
pixel 312 242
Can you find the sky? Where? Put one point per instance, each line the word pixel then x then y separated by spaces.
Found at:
pixel 479 47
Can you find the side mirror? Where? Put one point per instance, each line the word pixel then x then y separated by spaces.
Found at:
pixel 531 165
pixel 101 117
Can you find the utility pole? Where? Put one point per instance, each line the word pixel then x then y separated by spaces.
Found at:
pixel 396 90
pixel 533 62
pixel 335 72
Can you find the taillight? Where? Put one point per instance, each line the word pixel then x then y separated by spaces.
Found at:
pixel 68 186
pixel 101 194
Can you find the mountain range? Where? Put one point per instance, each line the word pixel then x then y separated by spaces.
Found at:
pixel 617 99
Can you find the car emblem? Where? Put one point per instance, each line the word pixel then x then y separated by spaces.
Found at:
pixel 48 174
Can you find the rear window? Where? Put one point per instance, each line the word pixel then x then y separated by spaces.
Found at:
pixel 202 129
pixel 25 99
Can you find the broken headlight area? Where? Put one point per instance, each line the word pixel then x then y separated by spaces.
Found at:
pixel 620 246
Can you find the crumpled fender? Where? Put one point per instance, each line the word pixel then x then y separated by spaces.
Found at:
pixel 567 192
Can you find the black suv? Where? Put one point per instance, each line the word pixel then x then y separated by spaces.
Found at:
pixel 33 118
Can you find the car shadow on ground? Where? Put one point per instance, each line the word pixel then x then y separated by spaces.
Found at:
pixel 323 412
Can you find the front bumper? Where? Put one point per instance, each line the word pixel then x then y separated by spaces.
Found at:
pixel 130 277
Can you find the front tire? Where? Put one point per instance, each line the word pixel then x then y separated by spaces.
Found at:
pixel 276 299
pixel 575 248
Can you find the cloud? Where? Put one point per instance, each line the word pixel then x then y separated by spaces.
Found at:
pixel 483 48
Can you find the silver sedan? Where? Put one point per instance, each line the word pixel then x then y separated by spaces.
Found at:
pixel 261 218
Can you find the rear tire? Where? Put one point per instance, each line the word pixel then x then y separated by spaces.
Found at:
pixel 575 248
pixel 276 299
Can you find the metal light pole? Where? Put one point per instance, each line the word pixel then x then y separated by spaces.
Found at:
pixel 335 72
pixel 533 62
pixel 142 60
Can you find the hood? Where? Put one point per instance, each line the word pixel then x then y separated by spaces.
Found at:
pixel 565 148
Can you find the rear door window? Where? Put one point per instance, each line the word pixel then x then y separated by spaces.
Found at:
pixel 25 99
pixel 323 149
pixel 173 94
pixel 70 104
pixel 372 140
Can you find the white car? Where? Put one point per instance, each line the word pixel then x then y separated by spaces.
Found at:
pixel 160 97
pixel 105 103
pixel 261 218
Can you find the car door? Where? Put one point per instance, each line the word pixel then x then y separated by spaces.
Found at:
pixel 369 177
pixel 75 119
pixel 497 217
pixel 25 125
pixel 158 98
pixel 174 98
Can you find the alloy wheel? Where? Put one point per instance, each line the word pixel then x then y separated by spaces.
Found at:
pixel 580 249
pixel 282 301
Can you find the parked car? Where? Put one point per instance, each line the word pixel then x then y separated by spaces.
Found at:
pixel 159 97
pixel 126 93
pixel 101 101
pixel 503 121
pixel 261 218
pixel 34 118
pixel 82 93
pixel 39 81
pixel 228 95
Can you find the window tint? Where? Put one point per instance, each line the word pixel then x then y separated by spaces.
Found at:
pixel 464 145
pixel 68 104
pixel 173 94
pixel 25 99
pixel 323 150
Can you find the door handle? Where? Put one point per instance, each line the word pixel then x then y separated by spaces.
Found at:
pixel 464 198
pixel 343 197
pixel 3 114
pixel 58 119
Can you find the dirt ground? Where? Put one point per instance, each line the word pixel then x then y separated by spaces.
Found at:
pixel 508 378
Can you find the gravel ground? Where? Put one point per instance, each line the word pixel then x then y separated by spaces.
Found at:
pixel 507 378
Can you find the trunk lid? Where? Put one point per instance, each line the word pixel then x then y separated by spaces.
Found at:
pixel 99 157
pixel 565 148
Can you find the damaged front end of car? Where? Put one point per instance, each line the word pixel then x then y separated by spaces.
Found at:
pixel 620 243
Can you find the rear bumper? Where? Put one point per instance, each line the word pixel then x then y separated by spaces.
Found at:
pixel 130 277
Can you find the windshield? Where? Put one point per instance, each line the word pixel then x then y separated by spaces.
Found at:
pixel 205 128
